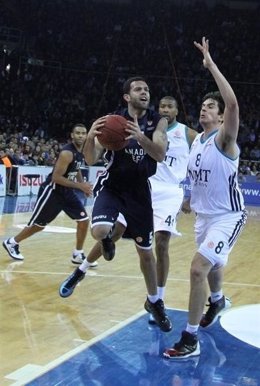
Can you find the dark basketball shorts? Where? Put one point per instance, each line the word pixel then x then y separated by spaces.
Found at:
pixel 51 202
pixel 136 209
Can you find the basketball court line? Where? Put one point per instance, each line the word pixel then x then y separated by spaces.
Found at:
pixel 93 272
pixel 30 372
pixel 107 349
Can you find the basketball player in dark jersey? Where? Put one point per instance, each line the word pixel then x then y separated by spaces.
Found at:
pixel 57 194
pixel 124 188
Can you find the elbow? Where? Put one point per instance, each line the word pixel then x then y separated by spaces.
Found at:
pixel 161 154
pixel 89 161
pixel 160 158
pixel 232 105
pixel 54 179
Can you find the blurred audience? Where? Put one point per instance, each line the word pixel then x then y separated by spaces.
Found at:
pixel 58 71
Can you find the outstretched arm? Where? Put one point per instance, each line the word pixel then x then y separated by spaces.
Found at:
pixel 228 133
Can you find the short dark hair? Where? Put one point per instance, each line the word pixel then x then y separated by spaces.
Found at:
pixel 77 125
pixel 215 95
pixel 170 98
pixel 127 83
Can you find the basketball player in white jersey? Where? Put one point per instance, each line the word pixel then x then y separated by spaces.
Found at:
pixel 218 203
pixel 167 194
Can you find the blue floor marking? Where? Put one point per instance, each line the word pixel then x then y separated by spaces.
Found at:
pixel 132 356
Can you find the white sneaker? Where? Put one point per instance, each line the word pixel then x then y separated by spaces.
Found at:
pixel 13 250
pixel 78 259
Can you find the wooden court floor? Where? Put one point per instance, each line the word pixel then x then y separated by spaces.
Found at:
pixel 37 325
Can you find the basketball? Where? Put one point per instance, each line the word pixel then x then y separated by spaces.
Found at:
pixel 113 133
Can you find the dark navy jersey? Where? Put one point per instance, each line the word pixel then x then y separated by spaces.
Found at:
pixel 73 167
pixel 131 167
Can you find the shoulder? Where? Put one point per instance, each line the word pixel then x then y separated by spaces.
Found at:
pixel 68 147
pixel 191 134
pixel 152 115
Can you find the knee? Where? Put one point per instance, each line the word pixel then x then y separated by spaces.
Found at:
pixel 146 256
pixel 161 251
pixel 162 242
pixel 197 273
pixel 100 232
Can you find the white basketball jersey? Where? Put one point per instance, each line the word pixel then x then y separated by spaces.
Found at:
pixel 213 178
pixel 174 167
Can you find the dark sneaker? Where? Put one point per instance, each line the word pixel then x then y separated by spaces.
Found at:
pixel 12 250
pixel 68 286
pixel 187 347
pixel 108 248
pixel 80 257
pixel 214 311
pixel 151 320
pixel 158 311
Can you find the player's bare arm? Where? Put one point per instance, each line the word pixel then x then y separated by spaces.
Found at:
pixel 85 187
pixel 228 132
pixel 185 206
pixel 59 170
pixel 155 148
pixel 191 135
pixel 92 148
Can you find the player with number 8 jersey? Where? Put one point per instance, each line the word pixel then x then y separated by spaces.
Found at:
pixel 217 202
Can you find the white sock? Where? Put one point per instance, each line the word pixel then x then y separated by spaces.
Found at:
pixel 215 296
pixel 161 292
pixel 12 240
pixel 84 266
pixel 77 251
pixel 192 329
pixel 153 298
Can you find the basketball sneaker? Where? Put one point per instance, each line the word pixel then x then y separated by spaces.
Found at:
pixel 78 259
pixel 214 311
pixel 188 346
pixel 13 250
pixel 158 311
pixel 151 320
pixel 68 286
pixel 108 248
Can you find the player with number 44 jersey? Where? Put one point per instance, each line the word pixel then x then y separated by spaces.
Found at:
pixel 167 194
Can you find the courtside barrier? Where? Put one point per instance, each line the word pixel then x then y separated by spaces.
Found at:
pixel 250 185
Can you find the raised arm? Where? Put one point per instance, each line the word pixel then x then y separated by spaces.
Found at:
pixel 227 135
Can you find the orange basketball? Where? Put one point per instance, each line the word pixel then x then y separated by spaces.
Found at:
pixel 113 133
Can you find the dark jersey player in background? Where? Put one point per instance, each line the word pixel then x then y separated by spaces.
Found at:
pixel 124 188
pixel 57 194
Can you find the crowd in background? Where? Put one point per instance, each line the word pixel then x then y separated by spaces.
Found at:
pixel 70 59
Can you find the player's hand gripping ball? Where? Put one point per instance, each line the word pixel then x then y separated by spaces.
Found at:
pixel 113 133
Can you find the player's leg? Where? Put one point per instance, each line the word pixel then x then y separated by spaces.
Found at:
pixel 162 239
pixel 153 304
pixel 45 210
pixel 101 230
pixel 104 216
pixel 140 229
pixel 96 250
pixel 166 204
pixel 224 232
pixel 74 208
pixel 216 237
pixel 217 302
